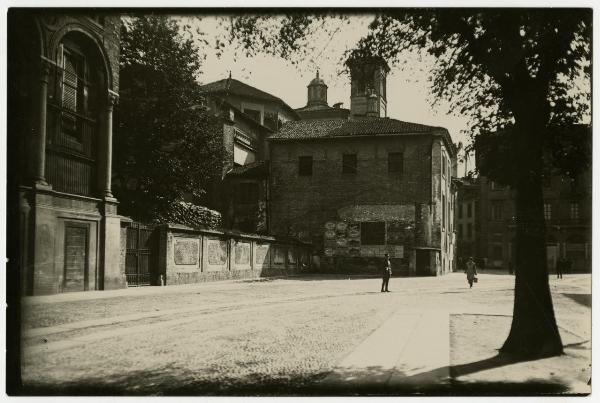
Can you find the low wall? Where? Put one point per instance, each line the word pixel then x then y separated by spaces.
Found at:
pixel 189 255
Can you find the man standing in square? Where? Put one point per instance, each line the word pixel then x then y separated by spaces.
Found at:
pixel 387 273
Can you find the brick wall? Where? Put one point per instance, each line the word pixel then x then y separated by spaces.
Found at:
pixel 301 205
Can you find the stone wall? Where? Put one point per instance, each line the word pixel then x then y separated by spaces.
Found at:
pixel 409 203
pixel 188 256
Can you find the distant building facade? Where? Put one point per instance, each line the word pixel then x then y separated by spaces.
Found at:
pixel 63 82
pixel 567 213
pixel 467 218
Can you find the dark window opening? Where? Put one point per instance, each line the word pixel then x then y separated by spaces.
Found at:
pixel 253 114
pixel 247 193
pixel 497 211
pixel 396 162
pixel 443 164
pixel 469 210
pixel 443 211
pixel 349 164
pixel 372 233
pixel 305 166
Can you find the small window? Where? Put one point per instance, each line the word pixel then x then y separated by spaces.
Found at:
pixel 372 233
pixel 574 211
pixel 497 211
pixel 459 228
pixel 349 163
pixel 443 211
pixel 443 164
pixel 547 211
pixel 469 230
pixel 469 210
pixel 396 162
pixel 253 114
pixel 305 166
pixel 460 210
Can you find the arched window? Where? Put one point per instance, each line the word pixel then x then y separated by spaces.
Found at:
pixel 73 115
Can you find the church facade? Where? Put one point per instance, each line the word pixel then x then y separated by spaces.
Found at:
pixel 63 81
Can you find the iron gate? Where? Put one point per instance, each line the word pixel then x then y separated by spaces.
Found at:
pixel 140 258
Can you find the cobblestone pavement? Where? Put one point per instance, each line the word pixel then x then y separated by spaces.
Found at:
pixel 280 336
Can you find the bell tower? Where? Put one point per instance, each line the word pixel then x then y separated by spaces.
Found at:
pixel 368 96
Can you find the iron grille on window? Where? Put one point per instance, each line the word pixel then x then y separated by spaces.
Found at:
pixel 305 165
pixel 71 122
pixel 349 163
pixel 372 233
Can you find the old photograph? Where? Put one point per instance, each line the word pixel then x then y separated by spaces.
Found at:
pixel 298 201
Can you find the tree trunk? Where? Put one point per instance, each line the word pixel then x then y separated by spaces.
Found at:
pixel 533 332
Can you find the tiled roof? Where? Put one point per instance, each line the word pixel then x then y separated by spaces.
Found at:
pixel 322 128
pixel 236 87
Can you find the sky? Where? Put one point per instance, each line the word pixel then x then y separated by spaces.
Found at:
pixel 409 98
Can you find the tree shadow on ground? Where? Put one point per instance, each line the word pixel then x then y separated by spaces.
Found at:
pixel 369 381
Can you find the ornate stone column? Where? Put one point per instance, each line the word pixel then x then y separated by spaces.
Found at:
pixel 40 144
pixel 107 160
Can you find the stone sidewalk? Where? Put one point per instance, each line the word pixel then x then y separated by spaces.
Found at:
pixel 406 345
pixel 410 353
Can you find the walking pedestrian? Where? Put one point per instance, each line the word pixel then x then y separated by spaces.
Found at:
pixel 387 273
pixel 471 271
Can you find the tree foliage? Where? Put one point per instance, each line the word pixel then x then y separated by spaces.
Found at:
pixel 483 59
pixel 514 73
pixel 167 145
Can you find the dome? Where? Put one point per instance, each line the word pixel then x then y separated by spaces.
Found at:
pixel 317 81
